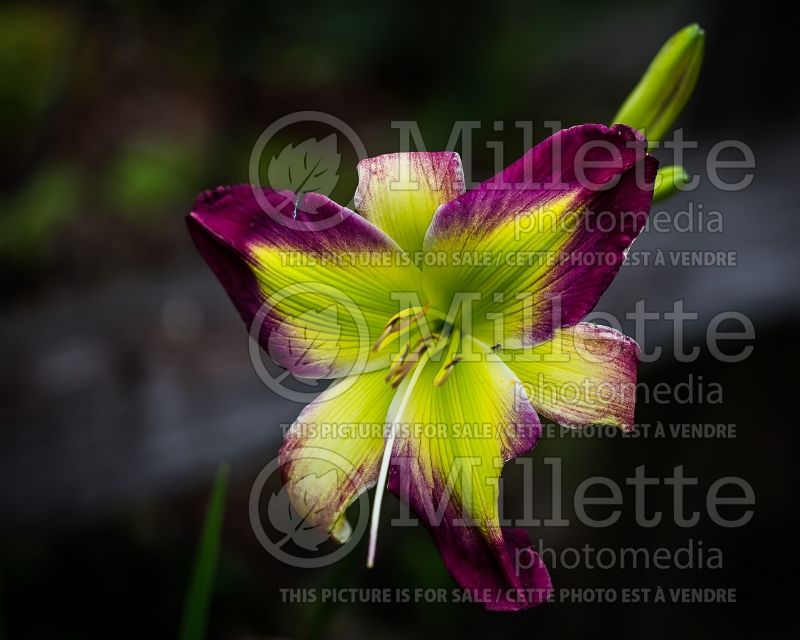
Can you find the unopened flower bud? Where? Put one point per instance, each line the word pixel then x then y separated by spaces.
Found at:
pixel 655 103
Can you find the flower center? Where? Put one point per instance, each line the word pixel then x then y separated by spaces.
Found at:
pixel 418 332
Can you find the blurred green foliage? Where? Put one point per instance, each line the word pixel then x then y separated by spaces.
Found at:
pixel 117 113
pixel 30 215
pixel 148 174
pixel 32 43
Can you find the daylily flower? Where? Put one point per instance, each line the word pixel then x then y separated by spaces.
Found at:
pixel 532 250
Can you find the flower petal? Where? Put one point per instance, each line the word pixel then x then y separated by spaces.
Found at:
pixel 585 375
pixel 313 279
pixel 399 192
pixel 555 227
pixel 333 450
pixel 451 444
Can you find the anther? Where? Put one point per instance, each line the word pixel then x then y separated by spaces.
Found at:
pixel 450 359
pixel 399 323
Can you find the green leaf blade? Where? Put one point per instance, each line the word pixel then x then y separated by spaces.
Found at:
pixel 198 597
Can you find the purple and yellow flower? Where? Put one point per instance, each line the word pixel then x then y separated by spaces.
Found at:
pixel 460 324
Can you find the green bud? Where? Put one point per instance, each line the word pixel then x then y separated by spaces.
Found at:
pixel 668 181
pixel 655 103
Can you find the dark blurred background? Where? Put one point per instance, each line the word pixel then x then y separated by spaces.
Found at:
pixel 124 374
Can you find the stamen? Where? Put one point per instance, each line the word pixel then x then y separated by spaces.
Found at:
pixel 446 371
pixel 415 311
pixel 380 486
pixel 438 341
pixel 399 323
pixel 388 330
pixel 398 361
pixel 450 360
pixel 396 375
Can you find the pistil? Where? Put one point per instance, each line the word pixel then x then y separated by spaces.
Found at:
pixel 393 423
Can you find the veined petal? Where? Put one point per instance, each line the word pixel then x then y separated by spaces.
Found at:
pixel 399 192
pixel 542 240
pixel 333 450
pixel 585 375
pixel 452 441
pixel 313 279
